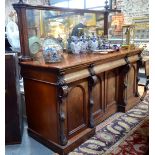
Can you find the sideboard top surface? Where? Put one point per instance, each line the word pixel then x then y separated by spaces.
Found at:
pixel 71 60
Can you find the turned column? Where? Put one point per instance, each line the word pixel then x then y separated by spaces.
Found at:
pixel 20 8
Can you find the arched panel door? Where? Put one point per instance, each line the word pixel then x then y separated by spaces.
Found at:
pixel 131 91
pixel 97 93
pixel 111 91
pixel 131 78
pixel 77 107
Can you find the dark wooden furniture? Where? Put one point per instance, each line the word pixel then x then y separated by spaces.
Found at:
pixel 13 110
pixel 65 101
pixel 128 85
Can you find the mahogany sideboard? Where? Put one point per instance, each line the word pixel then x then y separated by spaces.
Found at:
pixel 65 101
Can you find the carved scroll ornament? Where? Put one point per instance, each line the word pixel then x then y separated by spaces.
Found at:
pixel 62 94
pixel 92 82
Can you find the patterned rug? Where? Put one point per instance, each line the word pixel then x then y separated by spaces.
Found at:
pixel 112 134
pixel 135 144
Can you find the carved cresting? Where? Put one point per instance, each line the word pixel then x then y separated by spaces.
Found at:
pixel 91 83
pixel 139 64
pixel 62 94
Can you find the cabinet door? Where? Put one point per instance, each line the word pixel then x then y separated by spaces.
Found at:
pixel 131 81
pixel 98 97
pixel 111 92
pixel 77 107
pixel 105 95
pixel 131 90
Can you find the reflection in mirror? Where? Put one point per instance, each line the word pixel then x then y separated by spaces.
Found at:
pixel 60 26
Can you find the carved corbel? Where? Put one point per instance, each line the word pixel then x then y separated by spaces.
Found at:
pixel 128 64
pixel 62 94
pixel 139 64
pixel 137 80
pixel 91 83
pixel 125 69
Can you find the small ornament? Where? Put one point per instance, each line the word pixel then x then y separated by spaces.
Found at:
pixel 84 45
pixel 128 37
pixel 51 55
